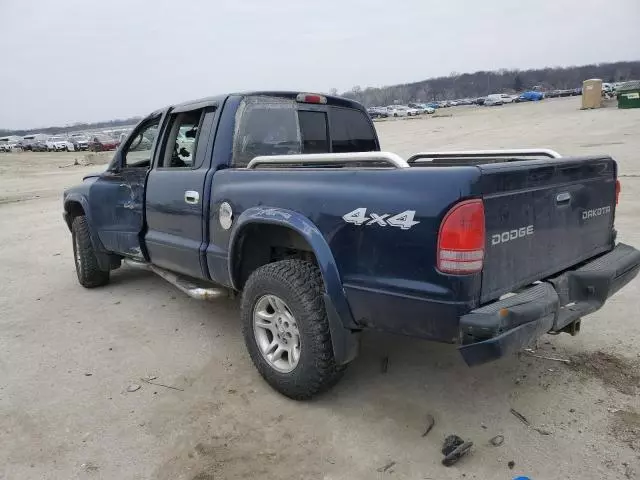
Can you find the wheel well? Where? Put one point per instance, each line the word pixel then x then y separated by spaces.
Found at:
pixel 260 244
pixel 73 209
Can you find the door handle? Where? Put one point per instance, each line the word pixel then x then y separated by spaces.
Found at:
pixel 563 198
pixel 191 197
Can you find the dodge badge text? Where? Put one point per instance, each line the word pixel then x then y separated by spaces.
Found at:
pixel 511 235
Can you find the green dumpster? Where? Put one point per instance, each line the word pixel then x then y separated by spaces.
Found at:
pixel 629 95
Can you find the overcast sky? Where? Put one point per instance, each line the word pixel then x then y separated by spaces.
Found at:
pixel 65 61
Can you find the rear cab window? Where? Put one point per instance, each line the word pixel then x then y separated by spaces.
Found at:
pixel 282 126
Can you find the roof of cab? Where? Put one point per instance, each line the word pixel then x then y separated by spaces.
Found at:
pixel 216 100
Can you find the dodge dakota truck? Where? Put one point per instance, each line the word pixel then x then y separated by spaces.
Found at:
pixel 286 198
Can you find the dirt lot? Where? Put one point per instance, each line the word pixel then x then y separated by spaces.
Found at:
pixel 68 355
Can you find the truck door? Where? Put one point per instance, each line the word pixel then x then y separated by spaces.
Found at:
pixel 175 191
pixel 117 196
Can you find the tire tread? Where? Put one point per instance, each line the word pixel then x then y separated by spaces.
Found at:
pixel 304 282
pixel 91 275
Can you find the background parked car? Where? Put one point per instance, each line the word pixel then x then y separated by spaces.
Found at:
pixel 80 142
pixel 57 144
pixel 411 112
pixel 530 96
pixel 10 147
pixel 377 112
pixel 396 111
pixel 493 99
pixel 506 98
pixel 428 109
pixel 421 108
pixel 27 142
pixel 38 146
pixel 100 142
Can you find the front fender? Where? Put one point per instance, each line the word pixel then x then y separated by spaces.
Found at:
pixel 76 197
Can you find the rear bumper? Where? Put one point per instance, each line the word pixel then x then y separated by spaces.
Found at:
pixel 507 325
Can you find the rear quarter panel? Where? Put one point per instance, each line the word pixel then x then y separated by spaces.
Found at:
pixel 374 261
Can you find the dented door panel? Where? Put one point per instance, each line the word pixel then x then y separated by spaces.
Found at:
pixel 117 207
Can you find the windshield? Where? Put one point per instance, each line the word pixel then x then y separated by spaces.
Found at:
pixel 103 138
pixel 56 139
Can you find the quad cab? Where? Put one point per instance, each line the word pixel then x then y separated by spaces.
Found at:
pixel 286 198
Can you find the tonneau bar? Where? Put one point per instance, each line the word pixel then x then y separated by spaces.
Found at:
pixel 392 159
pixel 518 152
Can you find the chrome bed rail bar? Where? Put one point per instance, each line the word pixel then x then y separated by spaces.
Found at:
pixel 392 159
pixel 515 152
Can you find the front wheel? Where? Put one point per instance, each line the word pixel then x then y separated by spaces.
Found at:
pixel 89 273
pixel 286 329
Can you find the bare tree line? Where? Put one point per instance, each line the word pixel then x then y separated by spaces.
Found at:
pixel 73 128
pixel 478 84
pixel 455 85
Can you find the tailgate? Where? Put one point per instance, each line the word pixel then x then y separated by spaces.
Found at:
pixel 544 216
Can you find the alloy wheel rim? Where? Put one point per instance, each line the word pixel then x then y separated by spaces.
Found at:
pixel 77 254
pixel 276 333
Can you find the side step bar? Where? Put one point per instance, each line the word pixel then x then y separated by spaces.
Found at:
pixel 182 283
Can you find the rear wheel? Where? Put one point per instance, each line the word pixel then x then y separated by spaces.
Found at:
pixel 89 273
pixel 286 329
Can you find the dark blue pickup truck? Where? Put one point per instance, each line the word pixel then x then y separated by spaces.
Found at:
pixel 286 197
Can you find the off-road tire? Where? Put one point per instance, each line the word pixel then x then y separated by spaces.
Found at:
pixel 300 285
pixel 89 273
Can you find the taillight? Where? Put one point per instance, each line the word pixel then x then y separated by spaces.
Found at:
pixel 461 239
pixel 311 98
pixel 618 188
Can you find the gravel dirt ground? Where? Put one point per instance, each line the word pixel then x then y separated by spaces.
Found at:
pixel 69 356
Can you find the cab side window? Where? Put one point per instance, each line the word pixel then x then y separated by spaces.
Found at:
pixel 265 126
pixel 182 140
pixel 138 151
